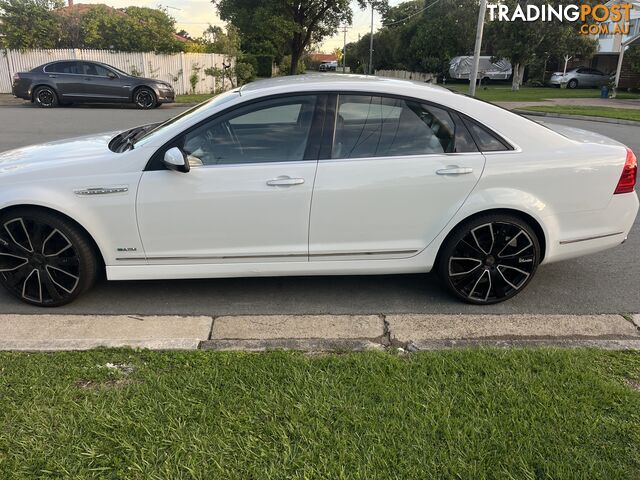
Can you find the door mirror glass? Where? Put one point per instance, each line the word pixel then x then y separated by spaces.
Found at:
pixel 112 75
pixel 174 159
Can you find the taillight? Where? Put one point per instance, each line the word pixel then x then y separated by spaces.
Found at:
pixel 627 180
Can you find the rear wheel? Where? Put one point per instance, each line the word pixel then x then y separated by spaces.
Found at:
pixel 45 260
pixel 489 259
pixel 45 97
pixel 144 98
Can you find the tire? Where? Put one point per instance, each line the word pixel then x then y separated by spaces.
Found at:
pixel 145 98
pixel 45 97
pixel 573 83
pixel 489 259
pixel 45 260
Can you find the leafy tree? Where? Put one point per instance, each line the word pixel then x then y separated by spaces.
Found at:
pixel 282 27
pixel 29 24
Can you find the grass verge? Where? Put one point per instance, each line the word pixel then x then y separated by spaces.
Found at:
pixel 196 98
pixel 478 413
pixel 503 93
pixel 606 112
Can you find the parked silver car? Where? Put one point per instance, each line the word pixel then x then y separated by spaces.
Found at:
pixel 580 77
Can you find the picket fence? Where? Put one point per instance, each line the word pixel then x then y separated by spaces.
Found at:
pixel 175 69
pixel 406 75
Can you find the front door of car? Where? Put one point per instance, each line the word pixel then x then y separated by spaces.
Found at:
pixel 398 172
pixel 103 84
pixel 248 193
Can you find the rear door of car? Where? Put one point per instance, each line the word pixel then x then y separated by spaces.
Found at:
pixel 100 86
pixel 395 173
pixel 67 77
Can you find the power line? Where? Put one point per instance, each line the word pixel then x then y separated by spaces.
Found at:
pixel 411 16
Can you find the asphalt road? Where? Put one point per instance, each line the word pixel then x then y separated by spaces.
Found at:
pixel 607 282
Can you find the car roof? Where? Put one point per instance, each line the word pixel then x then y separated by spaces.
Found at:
pixel 337 82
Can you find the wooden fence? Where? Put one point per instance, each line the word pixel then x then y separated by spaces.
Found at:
pixel 405 75
pixel 175 69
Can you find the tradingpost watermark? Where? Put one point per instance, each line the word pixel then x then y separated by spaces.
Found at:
pixel 596 19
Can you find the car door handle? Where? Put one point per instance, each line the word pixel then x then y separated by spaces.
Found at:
pixel 285 181
pixel 53 76
pixel 454 171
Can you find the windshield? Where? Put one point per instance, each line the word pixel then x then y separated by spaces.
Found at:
pixel 185 117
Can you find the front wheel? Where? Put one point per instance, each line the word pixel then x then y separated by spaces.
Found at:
pixel 45 260
pixel 144 98
pixel 489 259
pixel 573 83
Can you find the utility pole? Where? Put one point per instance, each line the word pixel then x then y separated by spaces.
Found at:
pixel 476 51
pixel 371 43
pixel 344 49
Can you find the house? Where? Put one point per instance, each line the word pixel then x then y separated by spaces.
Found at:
pixel 608 57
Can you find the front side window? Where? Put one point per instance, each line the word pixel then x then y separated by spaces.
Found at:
pixel 274 130
pixel 373 126
pixel 96 70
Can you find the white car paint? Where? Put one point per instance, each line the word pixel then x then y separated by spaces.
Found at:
pixel 359 216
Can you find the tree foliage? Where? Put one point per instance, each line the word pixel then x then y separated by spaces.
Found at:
pixel 29 24
pixel 45 24
pixel 522 42
pixel 287 27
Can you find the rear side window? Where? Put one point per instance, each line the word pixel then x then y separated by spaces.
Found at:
pixel 375 126
pixel 486 140
pixel 64 67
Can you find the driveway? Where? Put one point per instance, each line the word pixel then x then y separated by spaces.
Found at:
pixel 606 282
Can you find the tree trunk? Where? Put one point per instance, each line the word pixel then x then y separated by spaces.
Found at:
pixel 296 53
pixel 518 75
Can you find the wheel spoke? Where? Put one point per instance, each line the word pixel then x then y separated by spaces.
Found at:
pixel 492 236
pixel 50 287
pixel 33 279
pixel 24 243
pixel 477 286
pixel 16 260
pixel 452 273
pixel 61 248
pixel 514 243
pixel 65 277
pixel 502 269
pixel 15 277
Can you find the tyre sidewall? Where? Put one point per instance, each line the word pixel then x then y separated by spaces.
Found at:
pixel 53 104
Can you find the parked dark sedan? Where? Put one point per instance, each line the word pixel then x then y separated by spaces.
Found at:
pixel 74 81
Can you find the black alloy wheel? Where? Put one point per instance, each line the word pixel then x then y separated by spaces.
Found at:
pixel 45 97
pixel 44 259
pixel 573 83
pixel 144 98
pixel 489 259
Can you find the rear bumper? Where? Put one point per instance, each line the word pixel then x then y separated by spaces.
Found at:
pixel 575 234
pixel 20 90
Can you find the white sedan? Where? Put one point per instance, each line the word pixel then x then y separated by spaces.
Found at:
pixel 314 175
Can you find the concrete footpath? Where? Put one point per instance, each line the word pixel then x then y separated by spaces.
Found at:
pixel 315 332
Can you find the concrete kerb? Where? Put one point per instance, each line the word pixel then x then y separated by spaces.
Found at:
pixel 316 332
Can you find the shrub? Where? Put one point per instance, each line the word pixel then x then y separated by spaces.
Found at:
pixel 264 64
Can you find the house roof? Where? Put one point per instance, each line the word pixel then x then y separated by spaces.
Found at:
pixel 323 57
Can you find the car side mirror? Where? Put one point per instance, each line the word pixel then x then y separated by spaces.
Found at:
pixel 111 75
pixel 174 159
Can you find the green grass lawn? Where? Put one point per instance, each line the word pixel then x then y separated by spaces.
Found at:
pixel 193 98
pixel 621 113
pixel 464 414
pixel 503 93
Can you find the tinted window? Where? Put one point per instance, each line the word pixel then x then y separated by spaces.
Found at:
pixel 270 131
pixel 372 126
pixel 485 139
pixel 64 67
pixel 94 69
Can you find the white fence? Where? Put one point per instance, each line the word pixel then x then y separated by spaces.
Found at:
pixel 405 75
pixel 175 69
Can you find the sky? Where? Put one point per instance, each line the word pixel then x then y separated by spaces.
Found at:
pixel 194 16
